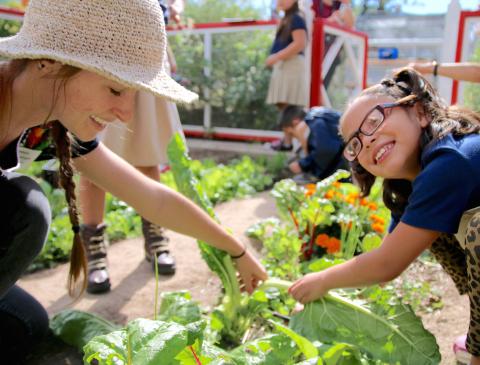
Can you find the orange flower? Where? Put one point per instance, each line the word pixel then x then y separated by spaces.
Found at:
pixel 373 206
pixel 322 239
pixel 331 244
pixel 364 202
pixel 377 219
pixel 377 227
pixel 329 194
pixel 311 188
pixel 336 184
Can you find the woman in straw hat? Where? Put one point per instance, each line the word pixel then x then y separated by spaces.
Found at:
pixel 74 67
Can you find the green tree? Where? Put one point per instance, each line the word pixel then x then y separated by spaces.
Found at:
pixel 239 80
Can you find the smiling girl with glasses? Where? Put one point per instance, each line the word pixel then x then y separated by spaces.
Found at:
pixel 428 155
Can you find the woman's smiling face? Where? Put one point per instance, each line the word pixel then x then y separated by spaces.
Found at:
pixel 393 150
pixel 88 102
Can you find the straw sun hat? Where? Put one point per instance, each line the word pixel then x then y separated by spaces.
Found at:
pixel 122 40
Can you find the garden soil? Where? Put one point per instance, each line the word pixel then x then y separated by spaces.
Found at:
pixel 133 283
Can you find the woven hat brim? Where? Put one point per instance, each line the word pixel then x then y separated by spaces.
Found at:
pixel 162 85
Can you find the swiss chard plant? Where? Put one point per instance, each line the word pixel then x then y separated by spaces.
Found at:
pixel 234 315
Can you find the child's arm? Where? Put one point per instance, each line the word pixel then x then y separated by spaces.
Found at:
pixel 299 41
pixel 385 263
pixel 465 71
pixel 164 207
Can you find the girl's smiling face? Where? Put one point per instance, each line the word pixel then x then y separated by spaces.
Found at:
pixel 393 151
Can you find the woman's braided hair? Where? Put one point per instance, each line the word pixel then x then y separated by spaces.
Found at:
pixel 8 72
pixel 408 87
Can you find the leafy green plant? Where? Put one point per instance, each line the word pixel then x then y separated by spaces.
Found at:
pixel 236 311
pixel 330 217
pixel 393 335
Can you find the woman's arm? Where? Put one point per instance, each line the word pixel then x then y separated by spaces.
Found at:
pixel 385 263
pixel 299 41
pixel 464 71
pixel 164 206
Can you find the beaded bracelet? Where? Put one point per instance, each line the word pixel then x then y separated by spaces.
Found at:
pixel 240 254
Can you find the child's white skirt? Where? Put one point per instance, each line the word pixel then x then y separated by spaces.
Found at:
pixel 288 83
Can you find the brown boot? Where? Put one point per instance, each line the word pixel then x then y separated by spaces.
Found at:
pixel 94 240
pixel 157 244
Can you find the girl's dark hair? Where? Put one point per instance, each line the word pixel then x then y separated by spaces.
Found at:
pixel 410 88
pixel 285 26
pixel 8 72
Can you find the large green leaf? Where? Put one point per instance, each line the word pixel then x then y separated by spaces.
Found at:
pixel 273 349
pixel 179 307
pixel 395 337
pixel 77 328
pixel 142 342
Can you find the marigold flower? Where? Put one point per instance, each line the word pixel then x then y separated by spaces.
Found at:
pixel 311 189
pixel 329 194
pixel 364 202
pixel 322 239
pixel 373 206
pixel 333 245
pixel 377 219
pixel 336 184
pixel 377 227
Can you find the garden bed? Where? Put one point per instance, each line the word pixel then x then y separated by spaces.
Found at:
pixel 133 281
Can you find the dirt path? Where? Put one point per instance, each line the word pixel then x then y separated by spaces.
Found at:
pixel 133 281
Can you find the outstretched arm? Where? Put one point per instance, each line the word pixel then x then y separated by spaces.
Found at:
pixel 463 71
pixel 165 207
pixel 385 263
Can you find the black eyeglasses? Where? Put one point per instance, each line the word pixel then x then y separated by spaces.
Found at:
pixel 370 124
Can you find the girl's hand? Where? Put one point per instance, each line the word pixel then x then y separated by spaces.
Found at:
pixel 271 60
pixel 250 270
pixel 309 288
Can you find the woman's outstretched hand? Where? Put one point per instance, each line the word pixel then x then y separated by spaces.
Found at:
pixel 309 288
pixel 251 271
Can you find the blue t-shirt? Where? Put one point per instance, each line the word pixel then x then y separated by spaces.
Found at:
pixel 447 186
pixel 279 43
pixel 324 145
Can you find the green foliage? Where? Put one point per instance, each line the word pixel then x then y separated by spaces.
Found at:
pixel 9 27
pixel 329 218
pixel 77 328
pixel 396 336
pixel 239 80
pixel 179 307
pixel 234 314
pixel 145 342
